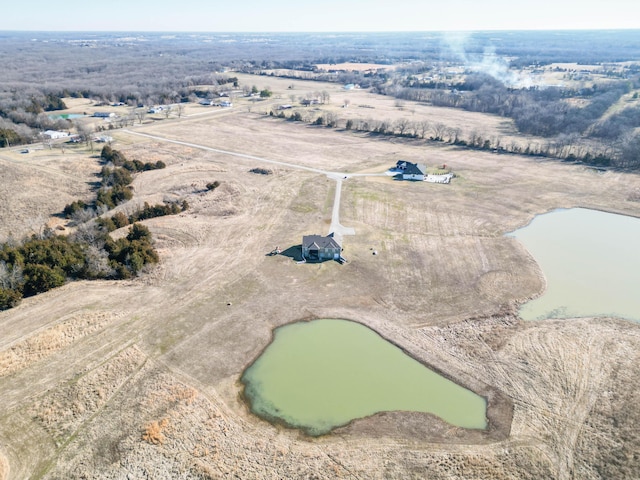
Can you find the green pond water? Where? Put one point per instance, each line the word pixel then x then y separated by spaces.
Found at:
pixel 591 261
pixel 65 116
pixel 322 374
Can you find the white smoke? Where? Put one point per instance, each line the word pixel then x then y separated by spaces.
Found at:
pixel 488 62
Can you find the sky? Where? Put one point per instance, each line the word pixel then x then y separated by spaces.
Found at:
pixel 318 15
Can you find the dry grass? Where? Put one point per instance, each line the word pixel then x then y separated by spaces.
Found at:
pixel 153 432
pixel 40 345
pixel 444 287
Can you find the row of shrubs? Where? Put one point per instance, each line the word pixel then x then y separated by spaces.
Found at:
pixel 119 219
pixel 115 183
pixel 117 158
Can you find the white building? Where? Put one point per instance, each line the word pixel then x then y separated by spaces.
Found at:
pixel 54 135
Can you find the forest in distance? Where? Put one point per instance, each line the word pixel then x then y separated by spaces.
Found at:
pixel 481 71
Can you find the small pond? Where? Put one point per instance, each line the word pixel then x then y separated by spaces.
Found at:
pixel 65 116
pixel 322 374
pixel 591 262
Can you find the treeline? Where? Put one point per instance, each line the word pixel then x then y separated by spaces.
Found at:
pixel 563 147
pixel 48 261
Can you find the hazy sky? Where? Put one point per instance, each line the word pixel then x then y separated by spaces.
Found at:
pixel 318 15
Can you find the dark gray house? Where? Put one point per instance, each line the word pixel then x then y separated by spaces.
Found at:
pixel 318 248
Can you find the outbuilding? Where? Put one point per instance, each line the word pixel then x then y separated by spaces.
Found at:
pixel 54 135
pixel 104 114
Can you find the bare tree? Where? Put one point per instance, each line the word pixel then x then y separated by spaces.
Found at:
pixel 438 130
pixel 424 127
pixel 402 125
pixel 10 276
pixel 331 120
pixel 141 114
pixel 97 262
pixel 180 109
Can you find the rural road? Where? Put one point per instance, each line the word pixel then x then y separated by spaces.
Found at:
pixel 335 227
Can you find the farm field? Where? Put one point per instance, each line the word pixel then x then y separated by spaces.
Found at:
pixel 141 378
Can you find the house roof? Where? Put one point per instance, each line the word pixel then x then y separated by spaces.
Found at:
pixel 413 169
pixel 308 241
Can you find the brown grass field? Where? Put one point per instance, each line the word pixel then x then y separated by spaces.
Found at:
pixel 140 378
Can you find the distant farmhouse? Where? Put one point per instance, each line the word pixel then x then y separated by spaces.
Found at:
pixel 104 114
pixel 410 171
pixel 54 135
pixel 415 171
pixel 318 248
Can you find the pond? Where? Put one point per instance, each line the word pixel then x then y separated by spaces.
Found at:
pixel 65 116
pixel 591 262
pixel 322 374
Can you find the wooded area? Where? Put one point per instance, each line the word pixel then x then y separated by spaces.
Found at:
pixel 40 70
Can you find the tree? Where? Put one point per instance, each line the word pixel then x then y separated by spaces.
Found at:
pixel 402 125
pixel 138 232
pixel 41 278
pixel 9 298
pixel 11 276
pixel 424 127
pixel 180 109
pixel 438 130
pixel 630 152
pixel 141 114
pixel 73 207
pixel 265 93
pixel 9 137
pixel 96 264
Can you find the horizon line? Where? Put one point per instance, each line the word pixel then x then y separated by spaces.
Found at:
pixel 227 32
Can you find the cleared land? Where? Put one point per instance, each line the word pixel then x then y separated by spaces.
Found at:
pixel 141 378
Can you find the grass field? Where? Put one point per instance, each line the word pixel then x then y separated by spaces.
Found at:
pixel 106 379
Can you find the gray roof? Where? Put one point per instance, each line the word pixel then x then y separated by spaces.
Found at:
pixel 413 169
pixel 329 241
